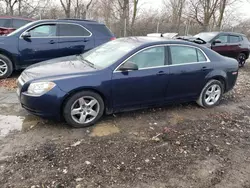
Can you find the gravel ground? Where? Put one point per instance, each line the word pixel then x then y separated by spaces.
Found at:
pixel 179 146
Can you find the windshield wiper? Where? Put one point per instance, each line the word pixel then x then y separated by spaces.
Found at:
pixel 87 62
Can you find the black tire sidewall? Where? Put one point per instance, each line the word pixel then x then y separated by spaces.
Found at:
pixel 9 66
pixel 204 93
pixel 72 99
pixel 238 59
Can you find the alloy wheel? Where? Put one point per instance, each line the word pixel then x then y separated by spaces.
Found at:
pixel 3 67
pixel 213 94
pixel 85 110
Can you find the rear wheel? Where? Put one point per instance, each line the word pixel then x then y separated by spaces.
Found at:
pixel 242 57
pixel 211 94
pixel 6 67
pixel 83 109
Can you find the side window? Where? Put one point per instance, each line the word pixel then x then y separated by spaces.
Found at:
pixel 185 54
pixel 223 38
pixel 234 39
pixel 72 30
pixel 201 56
pixel 152 57
pixel 48 30
pixel 19 23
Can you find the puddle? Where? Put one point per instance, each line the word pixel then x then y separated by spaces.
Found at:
pixel 10 123
pixel 104 130
pixel 16 123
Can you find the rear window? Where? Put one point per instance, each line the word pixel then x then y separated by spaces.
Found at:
pixel 101 30
pixel 5 22
pixel 17 23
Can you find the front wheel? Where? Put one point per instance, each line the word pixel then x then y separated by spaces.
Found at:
pixel 83 109
pixel 211 94
pixel 6 67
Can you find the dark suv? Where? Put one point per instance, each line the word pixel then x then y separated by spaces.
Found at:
pixel 47 39
pixel 9 24
pixel 229 44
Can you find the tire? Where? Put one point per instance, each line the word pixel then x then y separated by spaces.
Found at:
pixel 242 59
pixel 6 67
pixel 215 95
pixel 78 111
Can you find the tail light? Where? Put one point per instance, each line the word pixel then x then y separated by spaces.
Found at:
pixel 113 38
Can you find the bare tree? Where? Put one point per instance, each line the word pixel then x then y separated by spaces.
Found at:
pixel 135 9
pixel 10 6
pixel 81 9
pixel 203 10
pixel 176 8
pixel 66 4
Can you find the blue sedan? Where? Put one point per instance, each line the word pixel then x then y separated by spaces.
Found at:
pixel 125 74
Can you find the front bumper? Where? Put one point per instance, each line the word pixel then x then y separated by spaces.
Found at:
pixel 46 106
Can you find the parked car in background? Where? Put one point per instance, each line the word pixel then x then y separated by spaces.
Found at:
pixel 125 74
pixel 9 24
pixel 47 39
pixel 229 44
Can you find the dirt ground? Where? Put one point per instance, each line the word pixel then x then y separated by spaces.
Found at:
pixel 179 146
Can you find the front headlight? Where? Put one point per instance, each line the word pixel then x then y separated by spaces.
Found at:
pixel 39 88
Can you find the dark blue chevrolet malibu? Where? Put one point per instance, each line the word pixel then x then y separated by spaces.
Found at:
pixel 125 74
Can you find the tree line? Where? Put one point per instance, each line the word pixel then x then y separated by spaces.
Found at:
pixel 138 17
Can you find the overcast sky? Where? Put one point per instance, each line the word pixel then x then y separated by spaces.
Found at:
pixel 242 7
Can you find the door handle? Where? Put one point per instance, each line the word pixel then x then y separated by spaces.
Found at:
pixel 204 68
pixel 161 73
pixel 52 42
pixel 85 40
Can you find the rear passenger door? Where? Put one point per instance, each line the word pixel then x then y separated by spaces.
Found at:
pixel 74 39
pixel 235 45
pixel 188 70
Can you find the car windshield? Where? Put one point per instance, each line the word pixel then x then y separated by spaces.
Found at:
pixel 21 28
pixel 108 53
pixel 206 36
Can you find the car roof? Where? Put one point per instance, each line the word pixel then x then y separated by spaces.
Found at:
pixel 225 32
pixel 155 40
pixel 16 17
pixel 77 21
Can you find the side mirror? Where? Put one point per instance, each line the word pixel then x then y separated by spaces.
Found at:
pixel 26 35
pixel 128 66
pixel 217 41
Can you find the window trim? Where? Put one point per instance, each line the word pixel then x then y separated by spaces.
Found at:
pixel 169 59
pixel 56 24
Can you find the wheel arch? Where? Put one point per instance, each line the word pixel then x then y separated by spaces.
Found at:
pixel 220 76
pixel 104 98
pixel 246 53
pixel 9 55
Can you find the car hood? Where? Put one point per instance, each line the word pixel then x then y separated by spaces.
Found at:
pixel 65 66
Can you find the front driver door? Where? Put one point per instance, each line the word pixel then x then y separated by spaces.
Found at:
pixel 40 46
pixel 135 89
pixel 222 48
